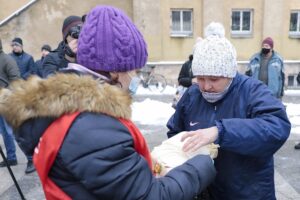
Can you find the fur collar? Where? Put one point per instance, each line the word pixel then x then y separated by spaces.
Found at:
pixel 59 94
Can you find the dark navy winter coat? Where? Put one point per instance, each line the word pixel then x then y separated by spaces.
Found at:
pixel 97 159
pixel 252 125
pixel 25 63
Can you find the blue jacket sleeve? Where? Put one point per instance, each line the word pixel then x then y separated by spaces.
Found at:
pixel 265 129
pixel 176 123
pixel 114 170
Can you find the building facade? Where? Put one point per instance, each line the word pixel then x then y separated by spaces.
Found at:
pixel 170 27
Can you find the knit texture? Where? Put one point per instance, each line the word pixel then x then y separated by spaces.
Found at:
pixel 268 41
pixel 214 55
pixel 110 42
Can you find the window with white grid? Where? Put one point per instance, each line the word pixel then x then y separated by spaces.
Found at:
pixel 295 24
pixel 181 22
pixel 241 22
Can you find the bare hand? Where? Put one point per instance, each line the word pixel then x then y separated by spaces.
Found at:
pixel 73 45
pixel 199 138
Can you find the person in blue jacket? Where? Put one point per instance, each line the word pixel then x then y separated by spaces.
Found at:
pixel 100 156
pixel 236 112
pixel 267 66
pixel 24 60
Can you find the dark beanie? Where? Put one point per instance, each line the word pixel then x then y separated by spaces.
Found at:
pixel 110 42
pixel 18 40
pixel 268 41
pixel 70 22
pixel 46 47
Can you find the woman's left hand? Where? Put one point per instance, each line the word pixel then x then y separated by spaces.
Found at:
pixel 199 138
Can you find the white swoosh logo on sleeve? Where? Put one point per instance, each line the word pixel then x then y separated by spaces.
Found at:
pixel 193 123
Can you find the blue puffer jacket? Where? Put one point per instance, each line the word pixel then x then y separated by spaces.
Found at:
pixel 252 125
pixel 25 63
pixel 275 72
pixel 97 159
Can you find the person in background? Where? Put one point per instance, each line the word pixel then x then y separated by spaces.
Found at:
pixel 97 153
pixel 45 50
pixel 24 61
pixel 9 72
pixel 297 146
pixel 238 113
pixel 184 80
pixel 186 75
pixel 267 66
pixel 66 51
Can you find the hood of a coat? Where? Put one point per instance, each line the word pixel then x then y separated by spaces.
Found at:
pixel 60 94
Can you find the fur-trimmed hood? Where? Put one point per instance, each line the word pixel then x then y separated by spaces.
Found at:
pixel 59 94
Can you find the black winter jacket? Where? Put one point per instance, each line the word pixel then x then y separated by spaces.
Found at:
pixel 54 61
pixel 97 159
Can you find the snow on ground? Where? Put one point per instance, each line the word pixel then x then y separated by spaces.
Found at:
pixel 145 91
pixel 152 112
pixel 292 92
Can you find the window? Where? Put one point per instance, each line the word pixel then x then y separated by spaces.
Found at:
pixel 241 22
pixel 295 24
pixel 291 80
pixel 181 23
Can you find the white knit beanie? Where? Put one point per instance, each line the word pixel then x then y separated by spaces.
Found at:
pixel 214 55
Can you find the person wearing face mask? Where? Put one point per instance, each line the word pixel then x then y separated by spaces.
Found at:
pixel 77 122
pixel 267 66
pixel 238 113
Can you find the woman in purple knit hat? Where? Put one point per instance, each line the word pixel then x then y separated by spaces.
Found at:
pixel 78 124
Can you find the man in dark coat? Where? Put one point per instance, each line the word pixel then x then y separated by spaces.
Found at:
pixel 45 50
pixel 24 60
pixel 9 71
pixel 66 51
pixel 297 146
pixel 186 75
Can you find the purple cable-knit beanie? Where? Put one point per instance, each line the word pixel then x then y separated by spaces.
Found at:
pixel 110 42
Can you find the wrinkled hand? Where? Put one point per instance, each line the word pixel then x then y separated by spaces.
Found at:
pixel 199 138
pixel 73 45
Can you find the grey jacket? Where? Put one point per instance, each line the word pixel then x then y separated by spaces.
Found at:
pixel 9 70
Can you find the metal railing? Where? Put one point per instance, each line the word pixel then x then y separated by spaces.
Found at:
pixel 17 12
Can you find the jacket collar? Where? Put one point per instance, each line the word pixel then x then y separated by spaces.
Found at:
pixel 59 94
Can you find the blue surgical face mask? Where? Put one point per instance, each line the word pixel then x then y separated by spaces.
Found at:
pixel 213 97
pixel 133 85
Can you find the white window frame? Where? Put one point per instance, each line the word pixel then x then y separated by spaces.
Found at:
pixel 242 32
pixel 295 34
pixel 181 33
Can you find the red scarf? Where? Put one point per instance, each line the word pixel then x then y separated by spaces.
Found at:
pixel 51 141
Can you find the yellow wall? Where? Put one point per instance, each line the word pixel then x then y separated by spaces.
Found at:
pixel 177 48
pixel 42 22
pixel 7 9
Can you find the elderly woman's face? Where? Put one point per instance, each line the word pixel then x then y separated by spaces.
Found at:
pixel 212 83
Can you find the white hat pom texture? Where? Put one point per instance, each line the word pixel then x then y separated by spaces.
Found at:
pixel 214 55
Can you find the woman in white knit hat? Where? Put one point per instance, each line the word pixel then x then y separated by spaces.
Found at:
pixel 236 112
